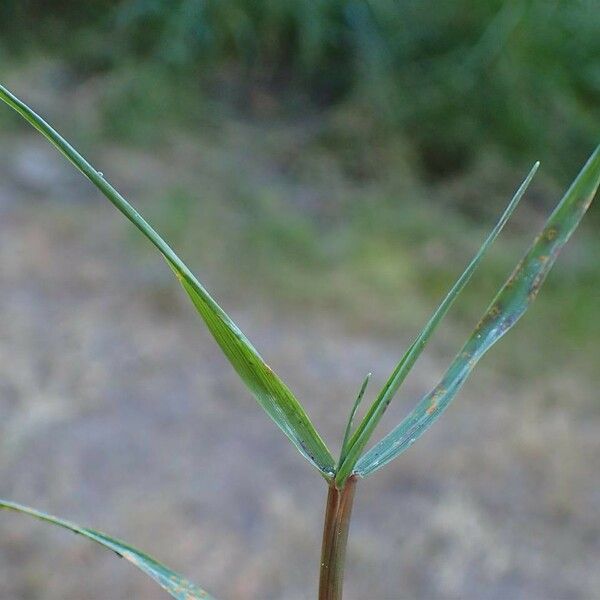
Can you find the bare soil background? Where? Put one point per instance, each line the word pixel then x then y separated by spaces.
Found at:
pixel 119 412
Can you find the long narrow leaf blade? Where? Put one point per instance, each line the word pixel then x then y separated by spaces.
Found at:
pixel 176 585
pixel 350 422
pixel 364 431
pixel 271 393
pixel 506 309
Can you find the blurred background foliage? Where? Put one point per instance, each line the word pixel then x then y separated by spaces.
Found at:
pixel 380 132
pixel 523 75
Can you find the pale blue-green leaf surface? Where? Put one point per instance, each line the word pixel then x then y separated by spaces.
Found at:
pixel 365 429
pixel 269 390
pixel 175 584
pixel 508 306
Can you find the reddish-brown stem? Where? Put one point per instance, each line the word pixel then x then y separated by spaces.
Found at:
pixel 335 538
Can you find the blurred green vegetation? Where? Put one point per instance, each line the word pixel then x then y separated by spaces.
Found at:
pixel 383 135
pixel 451 77
pixel 377 255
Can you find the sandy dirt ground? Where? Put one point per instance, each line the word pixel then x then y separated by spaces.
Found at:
pixel 118 411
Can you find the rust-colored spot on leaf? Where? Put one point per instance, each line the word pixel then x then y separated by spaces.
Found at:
pixel 534 288
pixel 494 311
pixel 491 314
pixel 551 233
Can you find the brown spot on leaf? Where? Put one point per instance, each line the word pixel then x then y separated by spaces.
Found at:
pixel 534 288
pixel 494 311
pixel 514 275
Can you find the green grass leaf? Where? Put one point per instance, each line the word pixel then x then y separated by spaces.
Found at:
pixel 176 585
pixel 271 393
pixel 508 306
pixel 364 431
pixel 350 422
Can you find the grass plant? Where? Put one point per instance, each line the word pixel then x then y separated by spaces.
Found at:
pixel 354 464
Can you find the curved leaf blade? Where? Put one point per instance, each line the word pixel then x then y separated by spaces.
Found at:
pixel 269 390
pixel 266 386
pixel 370 421
pixel 174 583
pixel 509 305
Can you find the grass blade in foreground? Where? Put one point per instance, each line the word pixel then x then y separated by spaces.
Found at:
pixel 364 431
pixel 172 582
pixel 505 310
pixel 271 393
